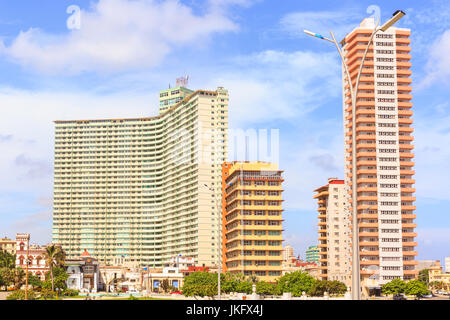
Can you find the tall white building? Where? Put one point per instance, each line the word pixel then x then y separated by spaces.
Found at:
pixel 135 187
pixel 384 144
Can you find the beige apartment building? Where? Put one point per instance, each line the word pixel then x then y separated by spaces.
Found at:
pixel 135 187
pixel 436 274
pixel 288 253
pixel 8 245
pixel 252 219
pixel 334 232
pixel 384 152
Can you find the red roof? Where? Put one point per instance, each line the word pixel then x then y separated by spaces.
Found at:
pixel 193 269
pixel 337 182
pixel 304 264
pixel 85 253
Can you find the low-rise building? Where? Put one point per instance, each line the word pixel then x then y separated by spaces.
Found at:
pixel 425 264
pixel 8 245
pixel 84 273
pixel 181 262
pixel 153 280
pixel 437 274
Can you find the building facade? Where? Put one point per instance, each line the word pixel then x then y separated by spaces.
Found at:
pixel 447 264
pixel 35 254
pixel 312 255
pixel 84 273
pixel 334 231
pixel 252 219
pixel 8 245
pixel 436 274
pixel 288 253
pixel 135 187
pixel 384 151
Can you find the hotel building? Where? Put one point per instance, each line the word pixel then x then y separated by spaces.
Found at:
pixel 312 255
pixel 252 220
pixel 384 143
pixel 334 232
pixel 135 187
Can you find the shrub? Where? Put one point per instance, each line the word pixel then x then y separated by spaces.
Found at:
pixel 47 294
pixel 70 293
pixel 265 288
pixel 20 295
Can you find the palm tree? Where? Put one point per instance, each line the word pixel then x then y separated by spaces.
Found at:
pixel 54 257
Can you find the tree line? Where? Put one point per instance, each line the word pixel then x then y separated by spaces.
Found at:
pixel 204 284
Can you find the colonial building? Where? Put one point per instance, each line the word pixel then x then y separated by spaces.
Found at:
pixel 84 273
pixel 35 254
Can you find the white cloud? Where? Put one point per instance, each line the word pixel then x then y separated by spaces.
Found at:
pixel 275 85
pixel 432 156
pixel 117 35
pixel 438 65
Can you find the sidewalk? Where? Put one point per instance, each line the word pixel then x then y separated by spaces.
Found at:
pixel 3 295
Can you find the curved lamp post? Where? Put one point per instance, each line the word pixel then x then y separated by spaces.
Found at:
pixel 356 293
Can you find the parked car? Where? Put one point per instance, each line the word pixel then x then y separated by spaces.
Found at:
pixel 400 296
pixel 427 296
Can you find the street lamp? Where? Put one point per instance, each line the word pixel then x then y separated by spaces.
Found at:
pixel 219 271
pixel 356 293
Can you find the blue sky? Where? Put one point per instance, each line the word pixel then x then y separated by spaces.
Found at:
pixel 278 78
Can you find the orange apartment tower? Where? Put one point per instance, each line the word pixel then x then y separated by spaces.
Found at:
pixel 384 144
pixel 252 220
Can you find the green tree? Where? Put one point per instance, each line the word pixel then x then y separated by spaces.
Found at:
pixel 7 260
pixel 416 288
pixel 6 276
pixel 201 284
pixel 34 281
pixel 60 277
pixel 18 277
pixel 318 289
pixel 54 257
pixel 395 286
pixel 244 287
pixel 165 286
pixel 296 283
pixel 437 285
pixel 228 282
pixel 336 287
pixel 266 288
pixel 424 277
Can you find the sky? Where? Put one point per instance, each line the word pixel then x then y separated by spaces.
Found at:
pixel 112 62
